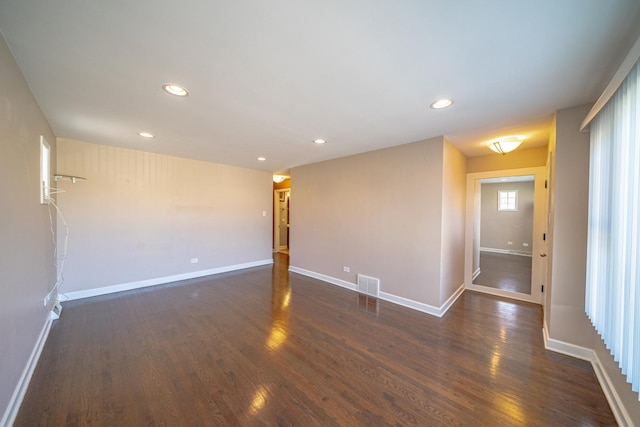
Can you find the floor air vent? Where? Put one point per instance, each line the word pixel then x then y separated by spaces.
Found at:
pixel 368 285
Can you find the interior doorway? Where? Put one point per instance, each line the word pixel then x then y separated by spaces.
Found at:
pixel 502 248
pixel 281 207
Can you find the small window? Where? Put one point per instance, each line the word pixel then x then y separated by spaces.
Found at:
pixel 45 171
pixel 508 200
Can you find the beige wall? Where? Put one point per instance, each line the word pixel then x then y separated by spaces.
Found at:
pixel 570 193
pixel 551 178
pixel 454 184
pixel 520 158
pixel 282 185
pixel 381 214
pixel 142 216
pixel 566 318
pixel 500 227
pixel 26 250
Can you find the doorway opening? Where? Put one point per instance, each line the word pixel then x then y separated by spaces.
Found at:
pixel 505 233
pixel 281 206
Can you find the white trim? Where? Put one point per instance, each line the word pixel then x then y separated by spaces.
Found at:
pixel 613 398
pixel 568 349
pixel 502 293
pixel 626 66
pixel 617 407
pixel 21 388
pixel 537 244
pixel 476 274
pixel 505 251
pixel 324 278
pixel 70 296
pixel 425 308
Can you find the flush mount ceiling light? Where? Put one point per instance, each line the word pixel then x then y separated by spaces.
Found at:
pixel 175 89
pixel 279 178
pixel 505 145
pixel 319 141
pixel 146 134
pixel 441 103
pixel 262 159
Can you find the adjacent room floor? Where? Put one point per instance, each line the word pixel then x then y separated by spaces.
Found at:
pixel 265 347
pixel 505 271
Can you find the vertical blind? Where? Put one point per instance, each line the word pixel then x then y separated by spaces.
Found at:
pixel 613 252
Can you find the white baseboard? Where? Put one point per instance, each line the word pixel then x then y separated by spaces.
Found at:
pixel 324 278
pixel 425 308
pixel 506 251
pixel 617 407
pixel 70 296
pixel 23 383
pixel 475 274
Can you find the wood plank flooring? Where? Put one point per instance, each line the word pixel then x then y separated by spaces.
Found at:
pixel 263 347
pixel 505 271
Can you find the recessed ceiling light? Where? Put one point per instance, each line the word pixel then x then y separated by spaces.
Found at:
pixel 145 134
pixel 319 141
pixel 441 103
pixel 175 89
pixel 262 159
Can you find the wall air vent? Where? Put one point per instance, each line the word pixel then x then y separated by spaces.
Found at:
pixel 368 285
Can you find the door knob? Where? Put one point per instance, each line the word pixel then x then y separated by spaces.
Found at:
pixel 542 254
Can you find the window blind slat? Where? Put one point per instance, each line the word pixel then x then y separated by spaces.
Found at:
pixel 613 252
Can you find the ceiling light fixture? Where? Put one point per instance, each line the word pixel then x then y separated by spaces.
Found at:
pixel 146 134
pixel 319 141
pixel 441 103
pixel 262 159
pixel 175 89
pixel 279 178
pixel 505 145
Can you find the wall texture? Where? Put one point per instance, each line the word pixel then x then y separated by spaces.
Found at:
pixel 381 214
pixel 567 321
pixel 454 184
pixel 520 158
pixel 142 216
pixel 26 249
pixel 500 227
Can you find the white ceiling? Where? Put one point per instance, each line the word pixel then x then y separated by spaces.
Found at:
pixel 267 78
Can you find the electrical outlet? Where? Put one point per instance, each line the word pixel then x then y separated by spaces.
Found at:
pixel 346 269
pixel 509 243
pixel 194 260
pixel 525 244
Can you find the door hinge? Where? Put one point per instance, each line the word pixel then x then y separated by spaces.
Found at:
pixel 544 236
pixel 541 288
pixel 546 183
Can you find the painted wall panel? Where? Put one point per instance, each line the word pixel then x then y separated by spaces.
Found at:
pixel 454 182
pixel 26 249
pixel 142 216
pixel 570 193
pixel 518 159
pixel 378 213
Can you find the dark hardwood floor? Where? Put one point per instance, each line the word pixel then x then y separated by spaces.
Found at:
pixel 262 347
pixel 505 271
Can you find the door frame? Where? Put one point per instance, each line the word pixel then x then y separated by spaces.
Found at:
pixel 276 217
pixel 539 219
